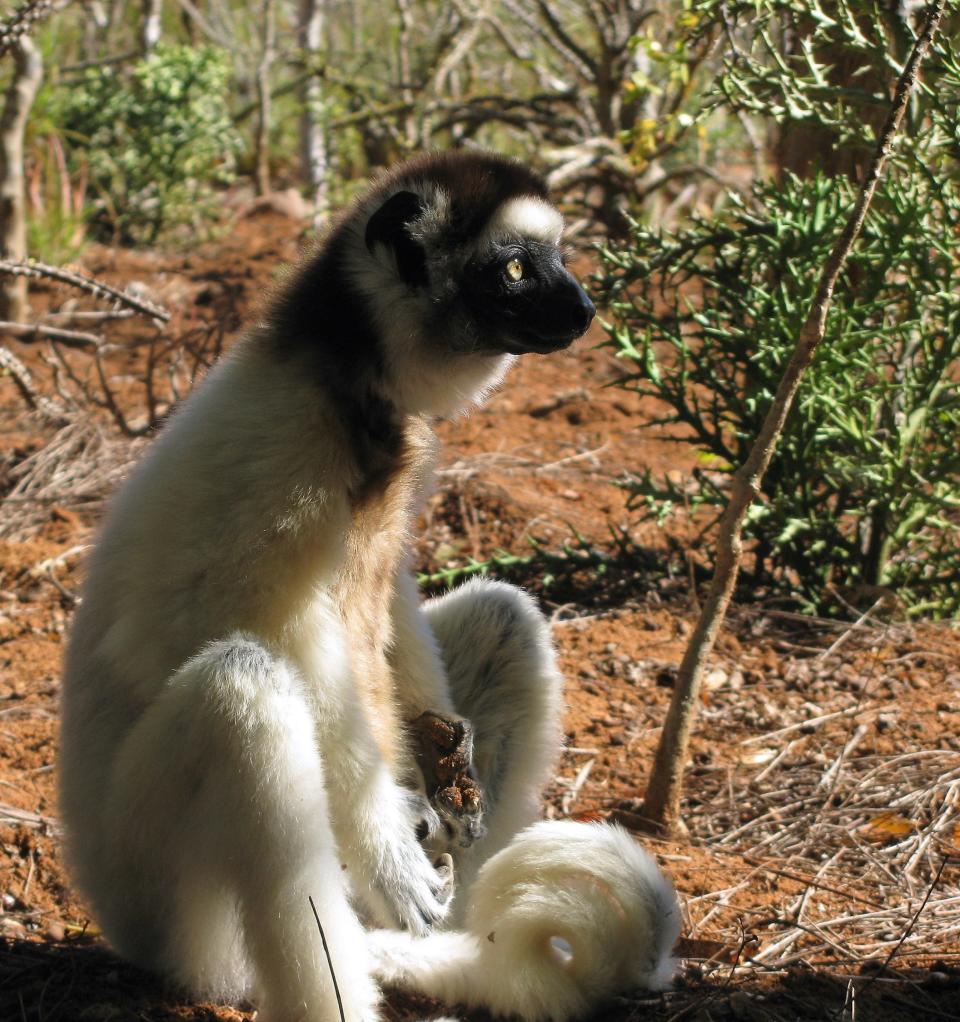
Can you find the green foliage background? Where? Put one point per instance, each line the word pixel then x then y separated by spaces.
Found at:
pixel 863 495
pixel 156 140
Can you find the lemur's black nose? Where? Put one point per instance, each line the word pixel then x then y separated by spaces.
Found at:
pixel 584 315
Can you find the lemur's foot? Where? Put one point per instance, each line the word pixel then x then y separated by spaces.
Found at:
pixel 445 757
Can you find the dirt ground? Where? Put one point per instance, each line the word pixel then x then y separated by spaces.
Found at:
pixel 821 875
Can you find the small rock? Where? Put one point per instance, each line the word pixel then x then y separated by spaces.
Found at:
pixel 633 674
pixel 717 678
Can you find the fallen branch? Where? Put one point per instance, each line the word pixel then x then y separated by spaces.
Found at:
pixel 22 378
pixel 34 331
pixel 96 288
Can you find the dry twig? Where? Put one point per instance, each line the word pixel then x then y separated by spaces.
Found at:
pixel 84 283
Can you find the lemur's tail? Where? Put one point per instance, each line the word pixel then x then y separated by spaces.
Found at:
pixel 564 917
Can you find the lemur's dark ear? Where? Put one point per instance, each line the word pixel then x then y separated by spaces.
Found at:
pixel 390 226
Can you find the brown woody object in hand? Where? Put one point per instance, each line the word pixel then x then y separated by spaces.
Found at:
pixel 444 754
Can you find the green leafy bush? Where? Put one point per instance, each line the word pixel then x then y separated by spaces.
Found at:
pixel 156 140
pixel 864 490
pixel 863 494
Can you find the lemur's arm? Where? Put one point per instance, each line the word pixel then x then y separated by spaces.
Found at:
pixel 442 740
pixel 420 678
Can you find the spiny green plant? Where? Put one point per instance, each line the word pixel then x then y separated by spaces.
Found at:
pixel 578 569
pixel 864 490
pixel 863 494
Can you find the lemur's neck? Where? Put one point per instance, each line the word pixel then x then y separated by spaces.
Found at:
pixel 377 432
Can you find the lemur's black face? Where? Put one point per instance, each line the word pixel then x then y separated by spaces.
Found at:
pixel 512 294
pixel 523 299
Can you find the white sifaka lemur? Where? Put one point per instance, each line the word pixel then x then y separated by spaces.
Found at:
pixel 257 710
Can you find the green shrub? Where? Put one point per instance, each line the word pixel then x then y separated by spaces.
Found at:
pixel 156 140
pixel 864 490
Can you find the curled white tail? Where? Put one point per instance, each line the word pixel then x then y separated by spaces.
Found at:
pixel 563 918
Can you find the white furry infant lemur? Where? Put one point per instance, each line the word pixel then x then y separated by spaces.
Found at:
pixel 258 710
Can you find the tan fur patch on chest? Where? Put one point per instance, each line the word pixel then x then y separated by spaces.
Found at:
pixel 376 545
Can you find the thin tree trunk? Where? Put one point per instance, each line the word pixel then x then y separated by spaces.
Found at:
pixel 28 72
pixel 405 70
pixel 264 104
pixel 661 807
pixel 150 25
pixel 313 140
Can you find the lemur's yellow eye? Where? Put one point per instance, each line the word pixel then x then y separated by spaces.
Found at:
pixel 515 270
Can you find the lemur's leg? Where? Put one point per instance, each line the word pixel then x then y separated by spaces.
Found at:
pixel 221 833
pixel 499 658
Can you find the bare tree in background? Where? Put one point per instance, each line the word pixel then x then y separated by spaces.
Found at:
pixel 150 24
pixel 313 136
pixel 604 126
pixel 264 96
pixel 28 72
pixel 405 69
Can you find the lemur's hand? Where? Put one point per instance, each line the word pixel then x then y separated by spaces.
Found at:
pixel 444 749
pixel 411 888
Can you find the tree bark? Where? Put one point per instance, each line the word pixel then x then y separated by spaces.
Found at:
pixel 28 72
pixel 661 807
pixel 313 140
pixel 264 104
pixel 150 25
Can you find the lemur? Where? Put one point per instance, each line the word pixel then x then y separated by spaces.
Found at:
pixel 250 664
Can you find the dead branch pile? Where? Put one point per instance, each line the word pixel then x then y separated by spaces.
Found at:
pixel 98 397
pixel 869 835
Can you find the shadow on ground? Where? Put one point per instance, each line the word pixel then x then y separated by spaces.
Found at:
pixel 79 980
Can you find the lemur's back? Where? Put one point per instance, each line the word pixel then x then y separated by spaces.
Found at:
pixel 224 526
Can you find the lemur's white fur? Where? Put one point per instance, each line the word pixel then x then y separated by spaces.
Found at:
pixel 247 649
pixel 525 217
pixel 562 916
pixel 421 380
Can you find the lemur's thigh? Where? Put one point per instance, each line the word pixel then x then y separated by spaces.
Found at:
pixel 501 667
pixel 222 834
